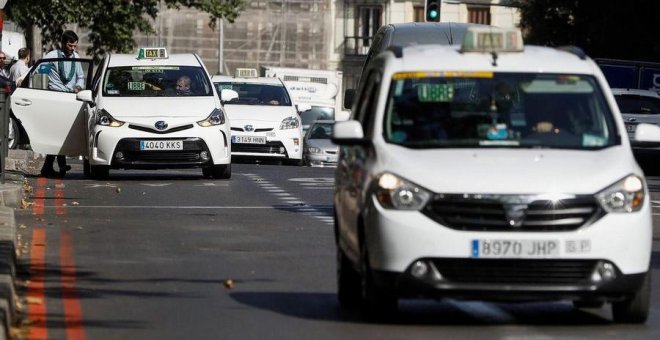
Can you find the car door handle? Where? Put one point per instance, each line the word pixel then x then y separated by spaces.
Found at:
pixel 23 102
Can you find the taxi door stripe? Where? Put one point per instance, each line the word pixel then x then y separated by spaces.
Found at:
pixel 36 289
pixel 72 307
pixel 40 193
pixel 60 209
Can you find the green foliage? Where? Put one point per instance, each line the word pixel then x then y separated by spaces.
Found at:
pixel 112 22
pixel 623 29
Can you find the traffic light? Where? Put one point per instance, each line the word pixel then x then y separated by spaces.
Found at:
pixel 432 10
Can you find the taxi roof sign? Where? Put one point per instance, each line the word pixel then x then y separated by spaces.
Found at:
pixel 492 39
pixel 246 73
pixel 152 53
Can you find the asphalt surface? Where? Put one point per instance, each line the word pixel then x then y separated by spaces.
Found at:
pixel 171 255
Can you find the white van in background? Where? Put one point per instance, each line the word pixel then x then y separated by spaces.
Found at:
pixel 322 89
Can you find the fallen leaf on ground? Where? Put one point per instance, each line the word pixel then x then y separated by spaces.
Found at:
pixel 75 203
pixel 118 190
pixel 229 283
pixel 33 300
pixel 22 226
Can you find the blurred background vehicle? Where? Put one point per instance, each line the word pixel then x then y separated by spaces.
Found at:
pixel 318 148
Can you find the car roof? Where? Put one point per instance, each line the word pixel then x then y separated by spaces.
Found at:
pixel 178 59
pixel 638 92
pixel 257 80
pixel 533 59
pixel 416 33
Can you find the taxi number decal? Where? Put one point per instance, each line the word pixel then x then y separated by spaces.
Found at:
pixel 136 86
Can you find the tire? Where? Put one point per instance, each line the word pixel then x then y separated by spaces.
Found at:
pixel 99 171
pixel 217 171
pixel 348 282
pixel 377 304
pixel 87 172
pixel 14 134
pixel 635 308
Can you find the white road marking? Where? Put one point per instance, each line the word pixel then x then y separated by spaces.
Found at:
pixel 107 185
pixel 156 184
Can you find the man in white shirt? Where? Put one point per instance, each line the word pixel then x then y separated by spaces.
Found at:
pixel 20 68
pixel 66 76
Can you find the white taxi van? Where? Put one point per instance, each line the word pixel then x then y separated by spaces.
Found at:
pixel 149 110
pixel 492 171
pixel 265 122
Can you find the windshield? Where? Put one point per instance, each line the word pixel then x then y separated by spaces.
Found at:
pixel 316 113
pixel 321 131
pixel 632 103
pixel 485 109
pixel 156 81
pixel 256 94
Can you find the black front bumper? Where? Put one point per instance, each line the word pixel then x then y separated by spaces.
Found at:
pixel 511 280
pixel 134 158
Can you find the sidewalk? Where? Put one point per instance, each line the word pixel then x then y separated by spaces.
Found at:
pixel 18 164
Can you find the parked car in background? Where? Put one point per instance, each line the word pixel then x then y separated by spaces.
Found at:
pixel 638 106
pixel 318 148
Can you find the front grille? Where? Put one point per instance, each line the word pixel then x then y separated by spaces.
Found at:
pixel 516 271
pixel 331 152
pixel 497 213
pixel 134 157
pixel 268 148
pixel 150 130
pixel 255 130
pixel 319 80
pixel 162 157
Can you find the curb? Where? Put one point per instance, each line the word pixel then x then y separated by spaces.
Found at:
pixel 17 164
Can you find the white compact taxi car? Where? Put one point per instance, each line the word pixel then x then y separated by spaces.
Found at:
pixel 148 110
pixel 265 122
pixel 494 171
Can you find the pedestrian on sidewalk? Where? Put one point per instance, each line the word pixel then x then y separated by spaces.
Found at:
pixel 20 68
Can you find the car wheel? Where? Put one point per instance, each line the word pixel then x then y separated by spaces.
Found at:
pixel 87 172
pixel 14 134
pixel 377 304
pixel 348 282
pixel 99 171
pixel 635 308
pixel 217 171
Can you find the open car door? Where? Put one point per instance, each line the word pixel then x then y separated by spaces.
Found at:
pixel 55 121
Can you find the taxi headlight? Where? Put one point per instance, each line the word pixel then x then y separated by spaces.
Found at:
pixel 394 192
pixel 217 117
pixel 289 123
pixel 104 118
pixel 624 196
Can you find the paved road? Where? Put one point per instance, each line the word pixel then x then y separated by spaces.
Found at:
pixel 148 255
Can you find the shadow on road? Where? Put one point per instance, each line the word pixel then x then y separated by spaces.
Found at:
pixel 324 306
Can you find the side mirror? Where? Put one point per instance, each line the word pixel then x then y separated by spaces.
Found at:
pixel 349 98
pixel 228 95
pixel 647 133
pixel 303 107
pixel 85 96
pixel 348 133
